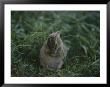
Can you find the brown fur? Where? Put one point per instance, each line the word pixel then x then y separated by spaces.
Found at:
pixel 53 52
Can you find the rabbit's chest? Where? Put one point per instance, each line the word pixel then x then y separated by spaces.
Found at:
pixel 54 63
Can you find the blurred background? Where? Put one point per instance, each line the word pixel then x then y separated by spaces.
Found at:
pixel 80 31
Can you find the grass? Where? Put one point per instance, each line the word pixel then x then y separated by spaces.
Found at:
pixel 80 31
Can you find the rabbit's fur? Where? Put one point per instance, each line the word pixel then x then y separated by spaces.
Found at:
pixel 53 52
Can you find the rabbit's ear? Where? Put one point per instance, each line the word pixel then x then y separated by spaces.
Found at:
pixel 57 33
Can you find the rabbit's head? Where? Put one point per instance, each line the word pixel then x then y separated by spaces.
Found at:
pixel 53 41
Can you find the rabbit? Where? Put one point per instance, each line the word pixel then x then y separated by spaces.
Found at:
pixel 53 52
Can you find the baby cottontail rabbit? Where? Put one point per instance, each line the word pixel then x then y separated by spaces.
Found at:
pixel 53 52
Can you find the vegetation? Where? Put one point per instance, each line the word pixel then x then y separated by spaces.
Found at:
pixel 80 31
